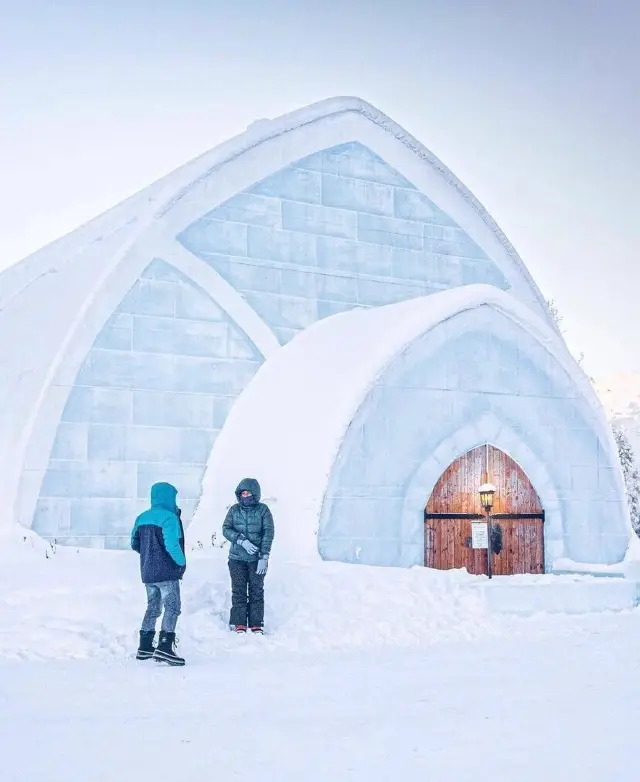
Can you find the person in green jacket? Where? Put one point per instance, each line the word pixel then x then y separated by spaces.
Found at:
pixel 248 526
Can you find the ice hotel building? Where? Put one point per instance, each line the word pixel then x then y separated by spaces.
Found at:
pixel 322 304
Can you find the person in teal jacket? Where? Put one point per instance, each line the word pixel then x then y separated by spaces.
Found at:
pixel 158 536
pixel 249 528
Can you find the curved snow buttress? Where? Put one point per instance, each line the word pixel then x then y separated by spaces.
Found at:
pixel 353 422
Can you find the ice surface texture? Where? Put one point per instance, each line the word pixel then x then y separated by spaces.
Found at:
pixel 333 231
pixel 147 405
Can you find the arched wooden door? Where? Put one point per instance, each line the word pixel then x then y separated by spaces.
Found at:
pixel 517 516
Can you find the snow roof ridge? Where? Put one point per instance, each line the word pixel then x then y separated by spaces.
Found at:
pixel 334 106
pixel 159 197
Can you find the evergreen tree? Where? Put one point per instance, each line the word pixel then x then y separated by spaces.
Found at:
pixel 630 473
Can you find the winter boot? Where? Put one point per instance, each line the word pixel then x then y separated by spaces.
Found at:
pixel 257 630
pixel 240 629
pixel 146 647
pixel 165 653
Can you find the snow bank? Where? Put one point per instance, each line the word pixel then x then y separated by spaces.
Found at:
pixel 69 603
pixel 578 596
pixel 85 603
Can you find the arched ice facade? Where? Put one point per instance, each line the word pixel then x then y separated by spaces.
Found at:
pixel 141 331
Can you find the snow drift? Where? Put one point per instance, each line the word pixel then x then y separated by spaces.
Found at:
pixel 69 603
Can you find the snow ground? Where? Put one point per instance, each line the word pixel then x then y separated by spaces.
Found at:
pixel 503 710
pixel 368 673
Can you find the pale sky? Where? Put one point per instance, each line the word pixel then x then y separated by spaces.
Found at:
pixel 534 105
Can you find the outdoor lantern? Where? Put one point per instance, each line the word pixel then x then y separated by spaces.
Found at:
pixel 487 490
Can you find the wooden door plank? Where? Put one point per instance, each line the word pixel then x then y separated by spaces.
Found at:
pixel 529 554
pixel 429 533
pixel 519 546
pixel 539 547
pixel 445 531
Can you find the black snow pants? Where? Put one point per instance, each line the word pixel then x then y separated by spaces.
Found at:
pixel 247 594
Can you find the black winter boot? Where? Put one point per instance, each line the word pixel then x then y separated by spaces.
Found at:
pixel 165 652
pixel 146 647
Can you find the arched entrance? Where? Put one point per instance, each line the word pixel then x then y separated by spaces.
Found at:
pixel 517 516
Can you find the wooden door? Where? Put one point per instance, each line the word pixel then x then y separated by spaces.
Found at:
pixel 517 516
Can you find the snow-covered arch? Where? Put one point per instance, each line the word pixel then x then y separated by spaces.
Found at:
pixel 300 406
pixel 268 147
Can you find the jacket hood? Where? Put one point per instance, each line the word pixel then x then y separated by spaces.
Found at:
pixel 163 495
pixel 249 484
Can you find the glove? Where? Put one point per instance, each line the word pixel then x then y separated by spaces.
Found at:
pixel 263 563
pixel 248 546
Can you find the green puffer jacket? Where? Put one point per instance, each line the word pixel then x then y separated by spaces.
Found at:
pixel 253 522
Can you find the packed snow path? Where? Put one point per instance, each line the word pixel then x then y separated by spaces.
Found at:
pixel 500 710
pixel 372 674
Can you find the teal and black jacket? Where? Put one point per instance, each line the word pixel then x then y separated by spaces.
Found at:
pixel 158 536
